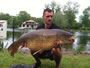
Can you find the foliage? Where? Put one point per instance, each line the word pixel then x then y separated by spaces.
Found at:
pixel 70 10
pixel 85 18
pixel 38 20
pixel 53 5
pixel 22 17
pixel 7 17
pixel 60 20
pixel 80 49
pixel 4 16
pixel 64 16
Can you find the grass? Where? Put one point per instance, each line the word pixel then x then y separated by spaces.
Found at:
pixel 67 61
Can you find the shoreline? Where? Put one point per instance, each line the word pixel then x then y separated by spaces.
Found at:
pixel 64 53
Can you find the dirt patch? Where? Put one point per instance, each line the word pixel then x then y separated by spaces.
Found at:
pixel 25 51
pixel 64 52
pixel 71 53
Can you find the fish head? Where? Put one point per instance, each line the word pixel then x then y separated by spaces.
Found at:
pixel 69 40
pixel 66 37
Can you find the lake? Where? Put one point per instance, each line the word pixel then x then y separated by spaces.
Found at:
pixel 82 41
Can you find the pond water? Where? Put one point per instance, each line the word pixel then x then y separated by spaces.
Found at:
pixel 82 39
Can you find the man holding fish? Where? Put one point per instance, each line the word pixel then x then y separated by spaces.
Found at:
pixel 46 41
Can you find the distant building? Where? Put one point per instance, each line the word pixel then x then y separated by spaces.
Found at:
pixel 3 29
pixel 29 24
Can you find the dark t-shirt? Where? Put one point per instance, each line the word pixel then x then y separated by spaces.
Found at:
pixel 53 26
pixel 47 54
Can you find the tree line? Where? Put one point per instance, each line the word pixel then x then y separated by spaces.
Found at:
pixel 64 16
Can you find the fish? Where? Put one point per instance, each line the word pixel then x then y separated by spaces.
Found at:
pixel 42 40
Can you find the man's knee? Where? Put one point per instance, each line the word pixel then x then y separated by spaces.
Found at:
pixel 56 51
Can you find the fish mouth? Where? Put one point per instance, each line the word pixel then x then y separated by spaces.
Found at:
pixel 70 41
pixel 73 38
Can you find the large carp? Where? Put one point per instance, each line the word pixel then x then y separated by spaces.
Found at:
pixel 41 40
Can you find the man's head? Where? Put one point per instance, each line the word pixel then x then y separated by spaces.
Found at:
pixel 48 16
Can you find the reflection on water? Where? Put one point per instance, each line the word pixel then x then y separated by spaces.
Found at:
pixel 9 39
pixel 82 39
pixel 17 34
pixel 88 46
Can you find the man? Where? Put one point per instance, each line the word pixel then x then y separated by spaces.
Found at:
pixel 48 17
pixel 55 53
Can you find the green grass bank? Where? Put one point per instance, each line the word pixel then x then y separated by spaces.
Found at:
pixel 67 61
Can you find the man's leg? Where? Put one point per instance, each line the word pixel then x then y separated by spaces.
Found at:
pixel 38 62
pixel 57 55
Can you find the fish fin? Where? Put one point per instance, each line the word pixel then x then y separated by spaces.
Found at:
pixel 13 48
pixel 23 44
pixel 13 52
pixel 39 51
pixel 60 42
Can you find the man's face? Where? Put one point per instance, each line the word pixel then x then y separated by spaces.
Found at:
pixel 48 16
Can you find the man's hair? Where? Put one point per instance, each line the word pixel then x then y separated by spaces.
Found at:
pixel 48 10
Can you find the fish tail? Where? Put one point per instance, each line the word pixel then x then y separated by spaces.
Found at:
pixel 39 51
pixel 13 48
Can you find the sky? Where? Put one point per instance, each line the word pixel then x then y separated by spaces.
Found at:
pixel 35 7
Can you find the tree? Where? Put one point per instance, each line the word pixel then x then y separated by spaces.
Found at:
pixel 4 16
pixel 70 10
pixel 7 17
pixel 21 17
pixel 85 18
pixel 38 20
pixel 60 20
pixel 54 6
